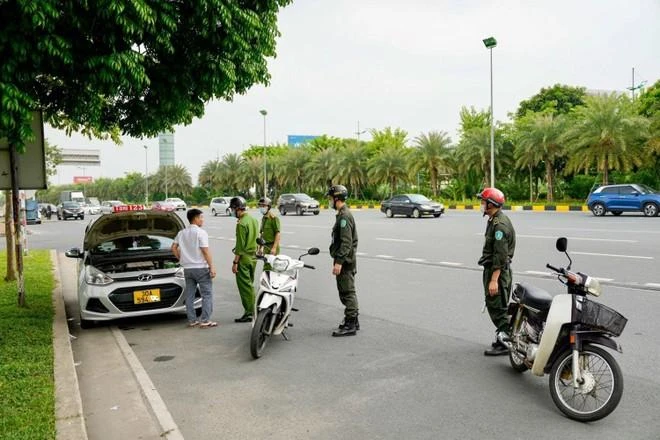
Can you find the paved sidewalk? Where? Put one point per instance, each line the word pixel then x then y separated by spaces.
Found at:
pixel 111 397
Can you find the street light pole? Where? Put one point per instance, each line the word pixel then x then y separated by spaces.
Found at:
pixel 358 132
pixel 490 43
pixel 146 178
pixel 264 113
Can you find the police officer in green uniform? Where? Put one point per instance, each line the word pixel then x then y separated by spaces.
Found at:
pixel 343 250
pixel 497 254
pixel 245 261
pixel 270 229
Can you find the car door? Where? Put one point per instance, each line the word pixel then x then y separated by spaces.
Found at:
pixel 290 203
pixel 629 198
pixel 398 207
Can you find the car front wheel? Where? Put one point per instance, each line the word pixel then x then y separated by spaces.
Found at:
pixel 650 209
pixel 214 213
pixel 282 210
pixel 388 213
pixel 416 213
pixel 598 209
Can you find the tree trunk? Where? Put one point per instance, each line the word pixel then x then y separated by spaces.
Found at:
pixel 9 237
pixel 531 186
pixel 548 172
pixel 18 246
pixel 434 181
pixel 606 171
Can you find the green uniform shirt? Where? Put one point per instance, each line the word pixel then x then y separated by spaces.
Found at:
pixel 247 231
pixel 344 238
pixel 500 243
pixel 270 226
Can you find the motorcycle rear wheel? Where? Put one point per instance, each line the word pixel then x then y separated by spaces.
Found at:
pixel 259 337
pixel 600 394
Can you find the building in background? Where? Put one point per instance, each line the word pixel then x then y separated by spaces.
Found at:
pixel 166 149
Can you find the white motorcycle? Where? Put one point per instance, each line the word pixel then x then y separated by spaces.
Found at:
pixel 561 336
pixel 277 289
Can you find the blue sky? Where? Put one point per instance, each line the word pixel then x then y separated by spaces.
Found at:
pixel 408 64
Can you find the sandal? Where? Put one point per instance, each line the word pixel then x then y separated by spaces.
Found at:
pixel 193 324
pixel 208 324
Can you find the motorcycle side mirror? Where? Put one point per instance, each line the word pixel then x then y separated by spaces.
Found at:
pixel 313 251
pixel 562 244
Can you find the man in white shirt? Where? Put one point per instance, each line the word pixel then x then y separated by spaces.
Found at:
pixel 191 247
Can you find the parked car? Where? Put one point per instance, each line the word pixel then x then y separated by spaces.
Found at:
pixel 108 206
pixel 617 199
pixel 32 212
pixel 66 210
pixel 411 205
pixel 163 206
pixel 298 203
pixel 220 205
pixel 126 267
pixel 178 203
pixel 92 206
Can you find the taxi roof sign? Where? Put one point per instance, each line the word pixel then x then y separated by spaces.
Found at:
pixel 125 208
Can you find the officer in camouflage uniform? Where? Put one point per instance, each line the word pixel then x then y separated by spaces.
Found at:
pixel 499 246
pixel 343 250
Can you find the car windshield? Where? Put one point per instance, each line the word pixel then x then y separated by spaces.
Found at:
pixel 646 189
pixel 304 197
pixel 133 244
pixel 70 205
pixel 418 198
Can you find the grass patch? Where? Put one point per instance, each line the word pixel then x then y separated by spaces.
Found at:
pixel 27 385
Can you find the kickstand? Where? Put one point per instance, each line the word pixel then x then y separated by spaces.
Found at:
pixel 286 338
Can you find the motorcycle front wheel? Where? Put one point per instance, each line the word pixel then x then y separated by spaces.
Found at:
pixel 259 337
pixel 600 392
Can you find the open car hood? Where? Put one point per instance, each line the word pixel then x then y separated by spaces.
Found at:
pixel 130 223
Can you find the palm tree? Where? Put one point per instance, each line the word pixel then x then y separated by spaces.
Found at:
pixel 321 167
pixel 606 133
pixel 350 167
pixel 539 138
pixel 175 178
pixel 252 174
pixel 431 155
pixel 473 151
pixel 291 167
pixel 389 166
pixel 210 174
pixel 230 176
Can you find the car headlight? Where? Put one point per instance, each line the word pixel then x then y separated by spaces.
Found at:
pixel 441 206
pixel 592 285
pixel 280 265
pixel 179 273
pixel 425 207
pixel 95 277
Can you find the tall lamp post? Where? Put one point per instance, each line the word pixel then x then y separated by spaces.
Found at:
pixel 146 178
pixel 490 43
pixel 264 113
pixel 359 132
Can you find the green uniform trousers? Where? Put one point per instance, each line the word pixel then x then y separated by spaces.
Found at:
pixel 346 288
pixel 497 305
pixel 245 283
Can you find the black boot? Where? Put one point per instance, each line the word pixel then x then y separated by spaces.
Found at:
pixel 357 324
pixel 347 329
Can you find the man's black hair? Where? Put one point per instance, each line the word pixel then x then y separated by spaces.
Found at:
pixel 192 213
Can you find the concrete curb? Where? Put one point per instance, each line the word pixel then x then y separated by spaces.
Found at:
pixel 168 428
pixel 535 208
pixel 69 417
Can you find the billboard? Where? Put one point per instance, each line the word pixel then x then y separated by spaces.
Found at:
pixel 83 179
pixel 31 164
pixel 296 140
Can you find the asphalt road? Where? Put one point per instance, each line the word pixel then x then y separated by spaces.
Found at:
pixel 416 369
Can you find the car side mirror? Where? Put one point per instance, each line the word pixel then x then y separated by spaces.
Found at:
pixel 74 253
pixel 313 251
pixel 562 244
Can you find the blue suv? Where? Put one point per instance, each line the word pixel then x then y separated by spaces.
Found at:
pixel 619 198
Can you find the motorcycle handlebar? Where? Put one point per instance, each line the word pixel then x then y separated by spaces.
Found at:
pixel 309 266
pixel 558 270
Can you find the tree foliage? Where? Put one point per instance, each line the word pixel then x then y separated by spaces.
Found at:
pixel 558 99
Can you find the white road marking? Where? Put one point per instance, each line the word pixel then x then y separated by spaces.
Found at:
pixel 308 226
pixel 653 284
pixel 617 231
pixel 416 260
pixel 361 254
pixel 603 279
pixel 637 257
pixel 450 263
pixel 295 246
pixel 285 232
pixel 398 240
pixel 384 256
pixel 576 238
pixel 537 272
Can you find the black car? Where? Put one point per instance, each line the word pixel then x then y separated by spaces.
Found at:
pixel 298 203
pixel 67 210
pixel 411 205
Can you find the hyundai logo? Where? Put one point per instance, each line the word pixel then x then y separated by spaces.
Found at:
pixel 145 277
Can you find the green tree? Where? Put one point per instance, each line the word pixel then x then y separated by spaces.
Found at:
pixel 389 166
pixel 178 180
pixel 292 167
pixel 558 99
pixel 649 106
pixel 387 138
pixel 321 167
pixel 431 155
pixel 473 152
pixel 252 175
pixel 606 133
pixel 539 139
pixel 53 158
pixel 210 175
pixel 350 167
pixel 473 118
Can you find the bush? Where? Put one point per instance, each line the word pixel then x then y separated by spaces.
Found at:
pixel 578 186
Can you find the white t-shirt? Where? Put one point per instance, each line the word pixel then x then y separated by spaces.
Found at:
pixel 190 242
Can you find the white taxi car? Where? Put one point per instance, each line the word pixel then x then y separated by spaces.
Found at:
pixel 126 267
pixel 180 204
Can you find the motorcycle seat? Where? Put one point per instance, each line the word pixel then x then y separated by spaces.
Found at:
pixel 533 296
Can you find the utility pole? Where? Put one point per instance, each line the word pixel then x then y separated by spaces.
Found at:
pixel 634 87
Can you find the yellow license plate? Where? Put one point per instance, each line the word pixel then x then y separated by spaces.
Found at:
pixel 146 296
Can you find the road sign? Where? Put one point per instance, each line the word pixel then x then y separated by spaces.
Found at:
pixel 83 179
